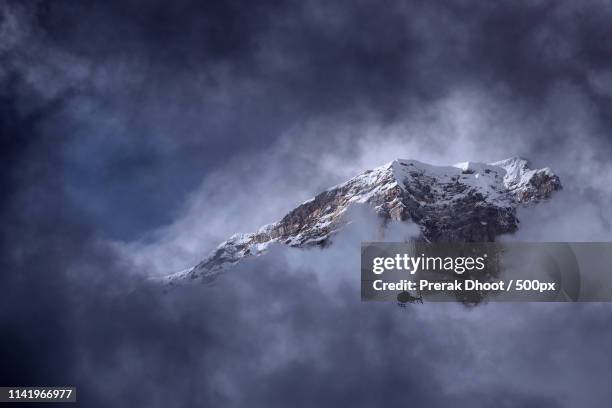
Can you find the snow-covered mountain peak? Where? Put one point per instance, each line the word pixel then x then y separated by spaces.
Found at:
pixel 465 202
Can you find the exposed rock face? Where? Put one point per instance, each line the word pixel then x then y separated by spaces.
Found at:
pixel 467 202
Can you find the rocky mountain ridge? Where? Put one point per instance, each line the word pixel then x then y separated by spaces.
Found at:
pixel 466 202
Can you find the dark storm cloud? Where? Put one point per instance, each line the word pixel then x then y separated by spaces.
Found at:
pixel 167 91
pixel 111 112
pixel 270 334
